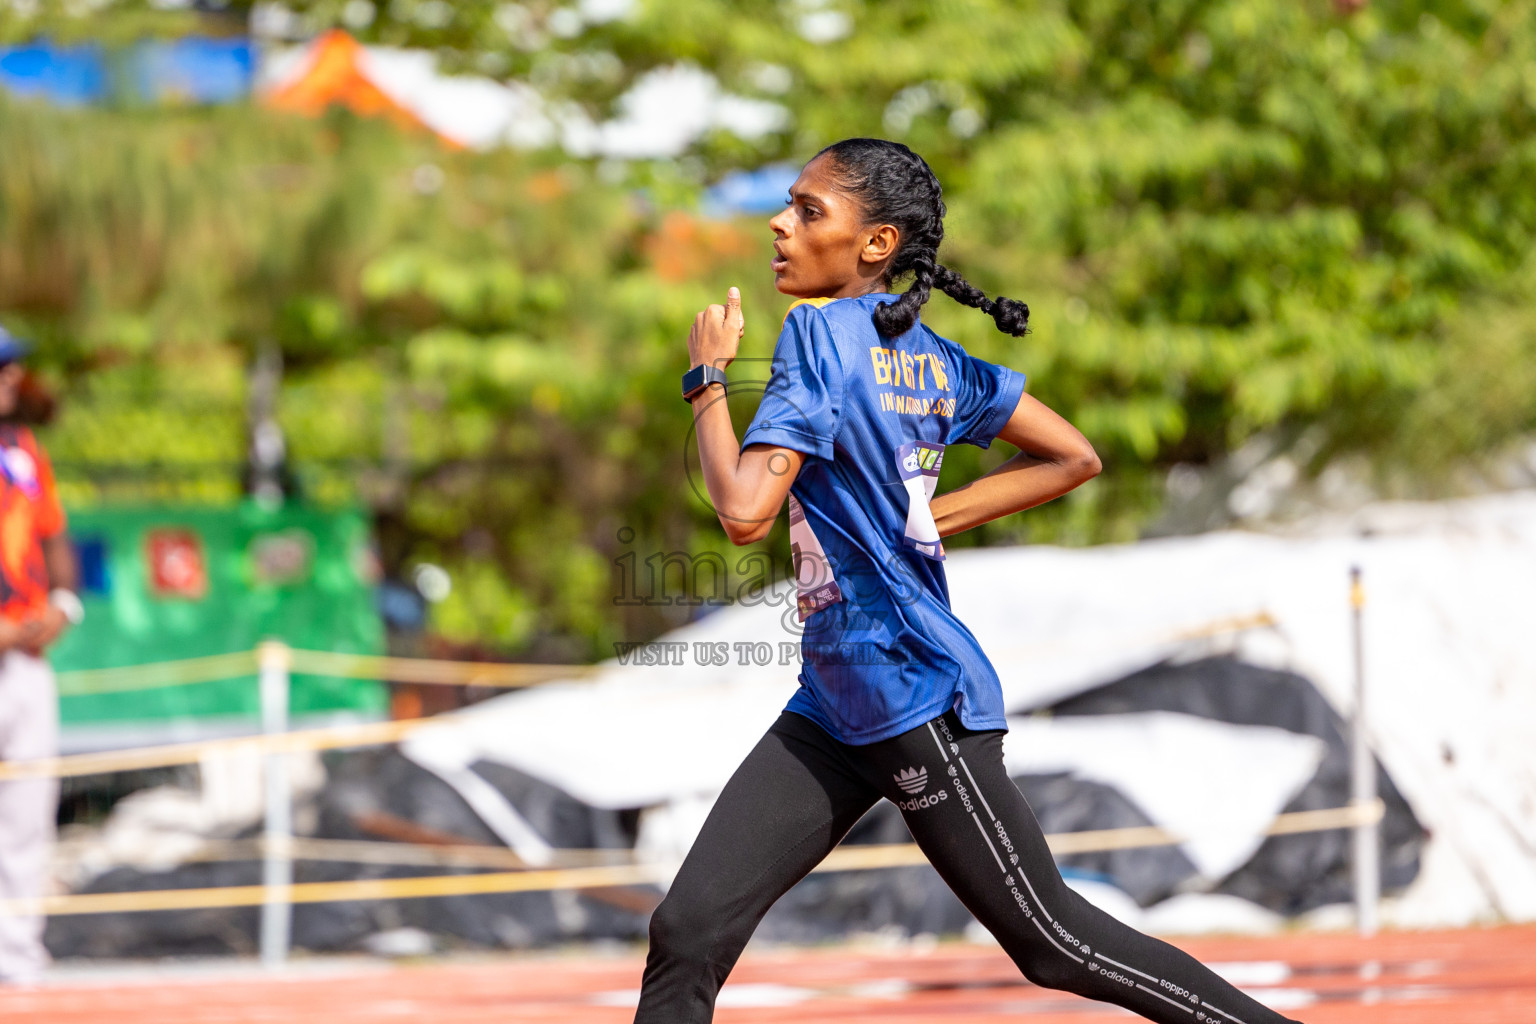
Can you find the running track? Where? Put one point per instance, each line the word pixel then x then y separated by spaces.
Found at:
pixel 1464 977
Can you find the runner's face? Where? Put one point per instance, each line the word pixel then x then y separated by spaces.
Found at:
pixel 823 248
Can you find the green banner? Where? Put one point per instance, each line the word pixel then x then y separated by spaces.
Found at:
pixel 168 584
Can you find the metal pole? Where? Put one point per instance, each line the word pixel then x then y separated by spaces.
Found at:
pixel 268 449
pixel 1367 847
pixel 273 660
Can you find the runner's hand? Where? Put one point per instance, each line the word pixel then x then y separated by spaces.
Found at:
pixel 46 628
pixel 716 333
pixel 19 635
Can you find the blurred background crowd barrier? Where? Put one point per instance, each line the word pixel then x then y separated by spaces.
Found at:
pixel 357 337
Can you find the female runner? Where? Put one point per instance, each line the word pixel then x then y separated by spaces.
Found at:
pixel 896 698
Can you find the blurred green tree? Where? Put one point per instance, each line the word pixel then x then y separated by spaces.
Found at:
pixel 1234 219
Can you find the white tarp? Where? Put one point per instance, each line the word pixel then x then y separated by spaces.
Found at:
pixel 1449 653
pixel 1162 762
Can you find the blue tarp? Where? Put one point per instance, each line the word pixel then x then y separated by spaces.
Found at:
pixel 193 70
pixel 189 70
pixel 746 192
pixel 70 75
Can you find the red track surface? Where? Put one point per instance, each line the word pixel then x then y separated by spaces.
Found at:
pixel 1465 977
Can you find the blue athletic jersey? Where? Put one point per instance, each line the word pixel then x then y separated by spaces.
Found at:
pixel 882 652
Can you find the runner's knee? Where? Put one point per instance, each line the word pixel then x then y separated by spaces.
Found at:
pixel 1046 967
pixel 1046 961
pixel 683 928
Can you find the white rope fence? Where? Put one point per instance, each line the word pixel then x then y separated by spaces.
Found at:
pixel 625 871
pixel 498 870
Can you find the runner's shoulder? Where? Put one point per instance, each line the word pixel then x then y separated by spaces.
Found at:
pixel 847 320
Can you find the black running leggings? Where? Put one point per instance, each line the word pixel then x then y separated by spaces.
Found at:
pixel 800 791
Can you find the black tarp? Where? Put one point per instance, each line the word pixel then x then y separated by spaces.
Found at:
pixel 1289 874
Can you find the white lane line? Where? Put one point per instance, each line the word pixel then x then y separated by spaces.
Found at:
pixel 1252 973
pixel 1126 967
pixel 977 788
pixel 1000 866
pixel 1224 1013
pixel 1058 945
pixel 942 752
pixel 1175 1002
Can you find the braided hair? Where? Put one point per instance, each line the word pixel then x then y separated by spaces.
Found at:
pixel 896 186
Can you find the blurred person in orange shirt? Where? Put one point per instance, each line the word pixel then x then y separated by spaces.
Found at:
pixel 37 603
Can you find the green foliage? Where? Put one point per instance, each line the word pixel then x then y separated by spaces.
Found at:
pixel 112 22
pixel 1230 217
pixel 489 360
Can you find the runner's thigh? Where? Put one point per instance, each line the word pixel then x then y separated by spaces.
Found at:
pixel 788 804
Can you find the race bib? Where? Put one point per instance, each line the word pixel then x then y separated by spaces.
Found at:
pixel 918 463
pixel 813 573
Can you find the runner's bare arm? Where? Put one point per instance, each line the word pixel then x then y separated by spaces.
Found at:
pixel 747 487
pixel 1053 458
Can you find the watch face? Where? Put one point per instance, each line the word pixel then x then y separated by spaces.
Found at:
pixel 699 378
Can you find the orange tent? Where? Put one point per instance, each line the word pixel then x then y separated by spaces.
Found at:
pixel 334 76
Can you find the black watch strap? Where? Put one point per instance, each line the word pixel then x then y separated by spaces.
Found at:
pixel 699 378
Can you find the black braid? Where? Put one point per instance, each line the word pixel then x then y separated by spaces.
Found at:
pixel 896 186
pixel 1010 315
pixel 895 318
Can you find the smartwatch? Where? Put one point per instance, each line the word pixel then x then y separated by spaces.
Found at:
pixel 699 378
pixel 68 602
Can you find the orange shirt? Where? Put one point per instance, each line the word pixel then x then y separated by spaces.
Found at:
pixel 29 513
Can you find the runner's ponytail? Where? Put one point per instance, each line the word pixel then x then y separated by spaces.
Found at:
pixel 896 186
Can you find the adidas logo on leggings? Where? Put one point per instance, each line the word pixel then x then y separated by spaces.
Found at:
pixel 914 781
